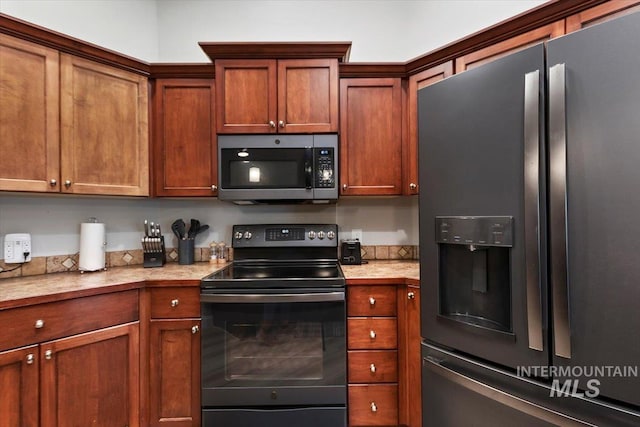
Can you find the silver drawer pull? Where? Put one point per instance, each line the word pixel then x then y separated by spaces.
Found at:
pixel 195 329
pixel 30 359
pixel 373 368
pixel 174 303
pixel 48 354
pixel 372 301
pixel 411 295
pixel 39 324
pixel 372 334
pixel 374 407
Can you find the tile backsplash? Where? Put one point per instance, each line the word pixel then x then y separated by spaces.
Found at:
pixel 62 263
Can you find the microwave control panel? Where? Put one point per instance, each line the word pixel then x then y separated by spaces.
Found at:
pixel 324 167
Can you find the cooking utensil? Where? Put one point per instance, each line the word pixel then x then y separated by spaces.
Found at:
pixel 146 228
pixel 202 229
pixel 193 229
pixel 178 227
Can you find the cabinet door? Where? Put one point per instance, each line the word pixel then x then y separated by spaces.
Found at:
pixel 29 116
pixel 246 96
pixel 511 45
pixel 104 137
pixel 417 82
pixel 371 136
pixel 185 149
pixel 307 95
pixel 174 381
pixel 19 385
pixel 410 388
pixel 602 12
pixel 91 379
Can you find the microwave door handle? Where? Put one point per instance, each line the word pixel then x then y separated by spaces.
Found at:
pixel 308 170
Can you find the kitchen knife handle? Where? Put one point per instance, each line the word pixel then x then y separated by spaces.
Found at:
pixel 532 208
pixel 558 210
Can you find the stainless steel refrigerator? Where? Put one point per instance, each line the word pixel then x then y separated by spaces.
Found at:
pixel 530 236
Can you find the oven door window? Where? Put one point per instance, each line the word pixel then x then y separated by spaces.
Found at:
pixel 269 344
pixel 265 168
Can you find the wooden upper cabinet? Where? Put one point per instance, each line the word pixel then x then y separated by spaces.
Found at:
pixel 184 140
pixel 276 96
pixel 307 95
pixel 417 82
pixel 104 129
pixel 29 116
pixel 602 12
pixel 371 136
pixel 511 45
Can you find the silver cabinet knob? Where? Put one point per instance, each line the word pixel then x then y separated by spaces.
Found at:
pixel 411 295
pixel 67 183
pixel 214 187
pixel 272 124
pixel 30 359
pixel 372 367
pixel 372 334
pixel 281 124
pixel 413 186
pixel 174 302
pixel 344 187
pixel 48 354
pixel 372 301
pixel 195 329
pixel 374 407
pixel 53 182
pixel 39 324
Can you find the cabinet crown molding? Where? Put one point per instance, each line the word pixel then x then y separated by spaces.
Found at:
pixel 276 50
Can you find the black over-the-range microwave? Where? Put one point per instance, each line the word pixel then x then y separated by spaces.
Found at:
pixel 278 168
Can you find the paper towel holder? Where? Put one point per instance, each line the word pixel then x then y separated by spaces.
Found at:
pixel 92 255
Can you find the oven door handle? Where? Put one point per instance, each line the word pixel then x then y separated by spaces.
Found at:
pixel 273 298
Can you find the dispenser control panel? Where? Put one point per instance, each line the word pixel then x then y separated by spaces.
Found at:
pixel 475 230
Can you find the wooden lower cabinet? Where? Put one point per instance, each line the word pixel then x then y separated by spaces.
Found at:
pixel 174 357
pixel 383 340
pixel 19 385
pixel 91 379
pixel 174 382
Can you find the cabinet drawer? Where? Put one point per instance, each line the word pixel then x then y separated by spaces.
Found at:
pixel 43 322
pixel 372 333
pixel 373 366
pixel 373 405
pixel 174 303
pixel 371 300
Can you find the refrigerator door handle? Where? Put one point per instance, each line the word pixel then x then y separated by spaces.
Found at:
pixel 558 210
pixel 532 207
pixel 497 395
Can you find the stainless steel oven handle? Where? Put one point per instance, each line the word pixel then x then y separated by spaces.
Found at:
pixel 507 399
pixel 273 298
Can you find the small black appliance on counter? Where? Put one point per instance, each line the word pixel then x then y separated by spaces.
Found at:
pixel 350 252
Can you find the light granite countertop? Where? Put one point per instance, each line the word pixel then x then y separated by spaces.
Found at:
pixel 20 291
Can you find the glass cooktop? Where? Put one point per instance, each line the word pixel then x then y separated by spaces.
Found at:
pixel 277 275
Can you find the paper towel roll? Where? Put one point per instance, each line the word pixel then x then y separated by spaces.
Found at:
pixel 92 246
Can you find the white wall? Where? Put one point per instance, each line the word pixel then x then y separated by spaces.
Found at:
pixel 126 26
pixel 168 31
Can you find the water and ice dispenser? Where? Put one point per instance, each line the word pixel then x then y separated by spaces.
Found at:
pixel 475 270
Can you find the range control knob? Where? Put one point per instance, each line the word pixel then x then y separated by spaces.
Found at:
pixel 238 235
pixel 247 235
pixel 312 235
pixel 331 235
pixel 321 235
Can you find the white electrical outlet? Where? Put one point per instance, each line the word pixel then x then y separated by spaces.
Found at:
pixel 15 246
pixel 356 234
